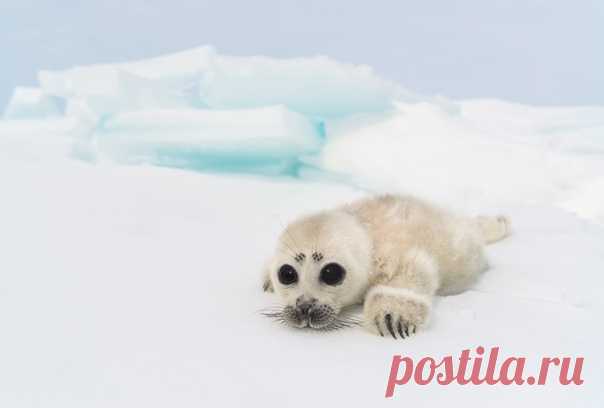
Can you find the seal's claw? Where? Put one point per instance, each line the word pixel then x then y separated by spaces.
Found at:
pixel 377 325
pixel 399 327
pixel 388 320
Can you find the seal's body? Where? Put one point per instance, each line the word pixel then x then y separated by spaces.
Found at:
pixel 391 253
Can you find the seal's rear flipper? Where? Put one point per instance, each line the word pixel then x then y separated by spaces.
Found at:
pixel 494 229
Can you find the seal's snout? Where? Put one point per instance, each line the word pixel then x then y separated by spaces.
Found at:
pixel 304 306
pixel 308 312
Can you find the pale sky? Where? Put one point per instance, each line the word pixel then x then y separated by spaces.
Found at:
pixel 537 52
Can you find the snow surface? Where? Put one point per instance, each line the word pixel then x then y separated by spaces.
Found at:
pixel 138 285
pixel 472 153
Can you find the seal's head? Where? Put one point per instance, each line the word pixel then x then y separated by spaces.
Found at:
pixel 321 265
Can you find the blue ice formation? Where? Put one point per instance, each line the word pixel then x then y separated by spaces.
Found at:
pixel 317 87
pixel 201 110
pixel 29 102
pixel 163 82
pixel 262 140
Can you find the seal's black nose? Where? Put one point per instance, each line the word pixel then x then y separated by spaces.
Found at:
pixel 303 305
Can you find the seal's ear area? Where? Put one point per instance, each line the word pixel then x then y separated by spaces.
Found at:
pixel 267 285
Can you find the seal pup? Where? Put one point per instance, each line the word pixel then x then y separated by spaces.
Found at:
pixel 391 253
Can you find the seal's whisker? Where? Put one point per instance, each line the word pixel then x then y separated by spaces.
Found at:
pixel 271 312
pixel 291 251
pixel 271 309
pixel 291 238
pixel 351 322
pixel 272 315
pixel 351 318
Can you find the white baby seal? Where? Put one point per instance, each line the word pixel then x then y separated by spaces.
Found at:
pixel 391 253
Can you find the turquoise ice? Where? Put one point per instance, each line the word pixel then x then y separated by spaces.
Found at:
pixel 267 140
pixel 200 110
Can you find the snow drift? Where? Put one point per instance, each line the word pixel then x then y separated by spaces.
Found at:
pixel 482 152
pixel 316 117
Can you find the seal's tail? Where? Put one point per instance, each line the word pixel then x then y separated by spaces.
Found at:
pixel 494 229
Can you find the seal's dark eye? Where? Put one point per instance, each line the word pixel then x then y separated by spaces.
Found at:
pixel 287 275
pixel 332 274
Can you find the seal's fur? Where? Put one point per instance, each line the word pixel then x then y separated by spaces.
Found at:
pixel 397 251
